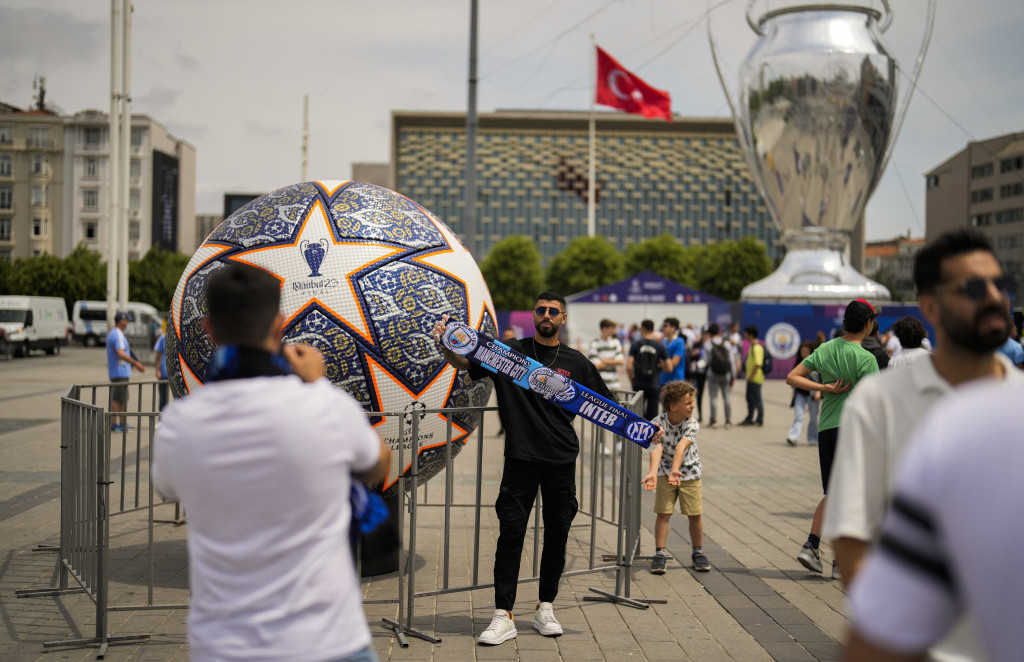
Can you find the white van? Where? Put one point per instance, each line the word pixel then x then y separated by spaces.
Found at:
pixel 34 323
pixel 89 321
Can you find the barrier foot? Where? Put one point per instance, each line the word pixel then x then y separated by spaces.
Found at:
pixel 101 643
pixel 46 592
pixel 400 632
pixel 605 596
pixel 46 548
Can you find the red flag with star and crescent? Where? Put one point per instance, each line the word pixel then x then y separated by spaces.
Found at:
pixel 618 88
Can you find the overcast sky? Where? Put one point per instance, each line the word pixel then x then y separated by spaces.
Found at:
pixel 229 76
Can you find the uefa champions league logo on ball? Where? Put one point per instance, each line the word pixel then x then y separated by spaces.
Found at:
pixel 314 254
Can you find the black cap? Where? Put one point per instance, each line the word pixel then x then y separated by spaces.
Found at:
pixel 858 312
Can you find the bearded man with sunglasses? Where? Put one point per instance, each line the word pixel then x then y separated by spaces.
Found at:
pixel 540 452
pixel 964 294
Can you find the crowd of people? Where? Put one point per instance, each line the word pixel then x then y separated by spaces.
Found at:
pixel 918 476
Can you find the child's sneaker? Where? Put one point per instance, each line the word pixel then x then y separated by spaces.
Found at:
pixel 658 564
pixel 835 570
pixel 809 558
pixel 700 562
pixel 501 629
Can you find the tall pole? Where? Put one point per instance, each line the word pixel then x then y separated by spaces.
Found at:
pixel 305 138
pixel 469 207
pixel 592 182
pixel 126 152
pixel 112 160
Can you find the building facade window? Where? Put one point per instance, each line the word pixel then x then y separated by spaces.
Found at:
pixel 93 138
pixel 90 199
pixel 6 165
pixel 6 135
pixel 5 229
pixel 133 231
pixel 89 230
pixel 39 196
pixel 1011 190
pixel 981 220
pixel 136 138
pixel 932 181
pixel 133 200
pixel 40 227
pixel 136 170
pixel 40 137
pixel 1009 215
pixel 91 168
pixel 981 195
pixel 38 164
pixel 6 197
pixel 1011 164
pixel 984 170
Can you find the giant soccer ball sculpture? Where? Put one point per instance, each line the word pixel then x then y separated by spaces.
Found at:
pixel 365 273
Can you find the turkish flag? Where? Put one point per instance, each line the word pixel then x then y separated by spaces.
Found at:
pixel 620 89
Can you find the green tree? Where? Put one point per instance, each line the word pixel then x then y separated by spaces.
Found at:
pixel 587 262
pixel 663 256
pixel 725 268
pixel 513 273
pixel 154 278
pixel 76 277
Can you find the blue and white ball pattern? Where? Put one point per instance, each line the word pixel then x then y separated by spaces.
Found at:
pixel 365 273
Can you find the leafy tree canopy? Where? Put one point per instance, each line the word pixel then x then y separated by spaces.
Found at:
pixel 513 273
pixel 587 262
pixel 725 268
pixel 153 279
pixel 663 256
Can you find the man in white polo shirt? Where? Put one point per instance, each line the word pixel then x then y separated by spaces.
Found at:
pixel 963 293
pixel 262 460
pixel 949 547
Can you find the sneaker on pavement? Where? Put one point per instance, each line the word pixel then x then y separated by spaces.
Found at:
pixel 501 629
pixel 835 570
pixel 790 441
pixel 728 425
pixel 700 562
pixel 117 428
pixel 745 423
pixel 658 564
pixel 809 558
pixel 544 621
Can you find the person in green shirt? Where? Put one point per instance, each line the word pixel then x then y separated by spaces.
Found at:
pixel 841 362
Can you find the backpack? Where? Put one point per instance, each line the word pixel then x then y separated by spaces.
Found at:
pixel 646 367
pixel 766 365
pixel 720 362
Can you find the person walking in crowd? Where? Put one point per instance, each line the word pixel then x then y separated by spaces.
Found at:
pixel 948 548
pixel 720 373
pixel 606 353
pixel 1012 349
pixel 965 296
pixel 754 371
pixel 698 369
pixel 120 362
pixel 160 364
pixel 675 352
pixel 841 363
pixel 909 333
pixel 541 447
pixel 646 359
pixel 805 400
pixel 675 474
pixel 873 344
pixel 262 458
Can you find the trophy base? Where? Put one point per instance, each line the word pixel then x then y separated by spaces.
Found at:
pixel 814 274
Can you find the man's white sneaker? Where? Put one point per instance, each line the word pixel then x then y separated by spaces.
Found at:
pixel 500 630
pixel 544 620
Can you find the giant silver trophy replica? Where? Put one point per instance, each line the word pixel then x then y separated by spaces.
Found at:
pixel 815 105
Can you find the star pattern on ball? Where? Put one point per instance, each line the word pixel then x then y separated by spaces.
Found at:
pixel 326 265
pixel 395 397
pixel 453 260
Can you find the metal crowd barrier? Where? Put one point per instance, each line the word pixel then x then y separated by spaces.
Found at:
pixel 105 474
pixel 608 489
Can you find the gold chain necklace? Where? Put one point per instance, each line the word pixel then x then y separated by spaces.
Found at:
pixel 537 356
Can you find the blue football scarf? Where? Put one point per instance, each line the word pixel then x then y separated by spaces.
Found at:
pixel 530 374
pixel 238 362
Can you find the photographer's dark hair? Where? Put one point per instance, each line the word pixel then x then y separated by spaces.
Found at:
pixel 928 261
pixel 243 302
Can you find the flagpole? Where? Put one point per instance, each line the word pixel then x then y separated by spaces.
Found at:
pixel 592 182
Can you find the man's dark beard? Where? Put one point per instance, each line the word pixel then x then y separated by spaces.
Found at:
pixel 966 334
pixel 546 334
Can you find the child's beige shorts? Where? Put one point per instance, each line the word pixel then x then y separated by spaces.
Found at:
pixel 688 492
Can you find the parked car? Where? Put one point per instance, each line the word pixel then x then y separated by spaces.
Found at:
pixel 34 323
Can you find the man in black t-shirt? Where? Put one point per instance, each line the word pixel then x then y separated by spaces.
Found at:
pixel 540 452
pixel 646 355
